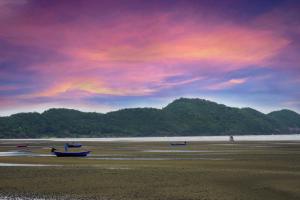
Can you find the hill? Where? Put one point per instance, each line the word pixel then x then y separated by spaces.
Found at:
pixel 286 118
pixel 181 117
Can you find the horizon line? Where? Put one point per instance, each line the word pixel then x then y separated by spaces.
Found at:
pixel 142 107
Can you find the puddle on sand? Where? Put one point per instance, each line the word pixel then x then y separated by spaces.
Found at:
pixel 154 159
pixel 106 155
pixel 107 158
pixel 179 151
pixel 22 153
pixel 285 143
pixel 26 165
pixel 118 168
pixel 265 146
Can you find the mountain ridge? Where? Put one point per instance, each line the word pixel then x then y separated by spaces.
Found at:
pixel 182 117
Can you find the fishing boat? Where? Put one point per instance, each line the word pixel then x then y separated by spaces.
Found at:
pixel 22 145
pixel 69 154
pixel 74 145
pixel 179 143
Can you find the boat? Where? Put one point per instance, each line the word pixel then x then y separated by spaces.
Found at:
pixel 179 143
pixel 74 145
pixel 22 146
pixel 70 154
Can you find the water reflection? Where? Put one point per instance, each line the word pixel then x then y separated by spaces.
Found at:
pixel 155 158
pixel 25 165
pixel 178 151
pixel 22 154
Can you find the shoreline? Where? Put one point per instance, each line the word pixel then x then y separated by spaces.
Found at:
pixel 289 137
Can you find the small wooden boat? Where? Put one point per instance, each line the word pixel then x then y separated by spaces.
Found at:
pixel 69 154
pixel 22 146
pixel 179 143
pixel 74 145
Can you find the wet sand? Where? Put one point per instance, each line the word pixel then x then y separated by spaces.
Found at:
pixel 211 170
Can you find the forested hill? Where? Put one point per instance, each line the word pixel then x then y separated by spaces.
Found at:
pixel 182 117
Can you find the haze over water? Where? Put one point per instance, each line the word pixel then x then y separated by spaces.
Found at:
pixel 291 137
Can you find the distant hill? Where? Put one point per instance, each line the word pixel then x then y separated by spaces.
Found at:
pixel 181 117
pixel 286 118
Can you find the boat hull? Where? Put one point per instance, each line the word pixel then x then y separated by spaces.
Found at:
pixel 22 146
pixel 179 144
pixel 71 154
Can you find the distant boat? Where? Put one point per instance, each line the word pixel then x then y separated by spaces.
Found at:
pixel 74 145
pixel 69 154
pixel 179 143
pixel 22 145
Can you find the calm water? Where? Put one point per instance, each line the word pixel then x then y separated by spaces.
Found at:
pixel 294 137
pixel 22 154
pixel 26 165
pixel 156 158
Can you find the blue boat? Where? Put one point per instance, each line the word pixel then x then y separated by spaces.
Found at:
pixel 71 154
pixel 74 145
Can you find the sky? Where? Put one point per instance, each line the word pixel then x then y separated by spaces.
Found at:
pixel 100 56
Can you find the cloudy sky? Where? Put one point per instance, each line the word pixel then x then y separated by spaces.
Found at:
pixel 106 55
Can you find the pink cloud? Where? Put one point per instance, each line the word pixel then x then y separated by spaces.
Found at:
pixel 227 84
pixel 104 56
pixel 132 54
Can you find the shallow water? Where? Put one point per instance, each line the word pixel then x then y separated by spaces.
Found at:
pixel 155 158
pixel 22 154
pixel 292 137
pixel 284 143
pixel 178 151
pixel 25 165
pixel 105 155
pixel 118 168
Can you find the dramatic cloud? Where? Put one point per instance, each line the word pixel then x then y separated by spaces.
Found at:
pixel 227 84
pixel 101 55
